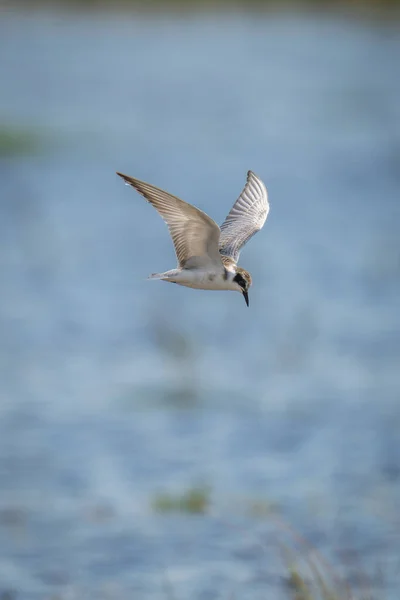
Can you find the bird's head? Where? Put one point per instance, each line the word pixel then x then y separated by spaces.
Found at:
pixel 243 281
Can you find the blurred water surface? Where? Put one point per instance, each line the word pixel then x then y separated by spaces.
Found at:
pixel 114 388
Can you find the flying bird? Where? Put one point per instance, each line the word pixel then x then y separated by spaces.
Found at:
pixel 207 255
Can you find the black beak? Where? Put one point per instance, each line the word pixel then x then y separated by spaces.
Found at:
pixel 246 297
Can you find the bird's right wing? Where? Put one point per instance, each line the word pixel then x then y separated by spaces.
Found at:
pixel 195 234
pixel 246 217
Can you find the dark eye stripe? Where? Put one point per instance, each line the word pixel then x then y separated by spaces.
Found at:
pixel 240 281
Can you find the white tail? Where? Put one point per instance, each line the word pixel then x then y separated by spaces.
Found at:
pixel 167 276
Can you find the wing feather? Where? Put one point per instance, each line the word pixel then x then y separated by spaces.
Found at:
pixel 246 217
pixel 195 234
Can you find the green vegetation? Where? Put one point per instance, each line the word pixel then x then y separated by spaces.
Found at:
pixel 316 585
pixel 195 500
pixel 308 575
pixel 16 141
pixel 297 585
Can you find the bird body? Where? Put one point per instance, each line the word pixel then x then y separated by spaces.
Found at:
pixel 207 255
pixel 201 279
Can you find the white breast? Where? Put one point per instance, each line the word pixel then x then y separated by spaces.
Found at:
pixel 206 280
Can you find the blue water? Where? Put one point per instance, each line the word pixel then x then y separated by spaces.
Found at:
pixel 113 388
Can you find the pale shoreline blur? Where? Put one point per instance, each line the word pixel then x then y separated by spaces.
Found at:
pixel 346 7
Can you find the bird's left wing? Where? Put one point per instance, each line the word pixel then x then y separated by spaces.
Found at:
pixel 246 217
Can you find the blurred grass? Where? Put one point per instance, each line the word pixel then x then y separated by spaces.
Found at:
pixel 300 589
pixel 15 141
pixel 308 576
pixel 311 577
pixel 311 582
pixel 194 500
pixel 197 500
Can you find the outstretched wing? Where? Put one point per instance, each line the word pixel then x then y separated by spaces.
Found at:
pixel 195 234
pixel 247 216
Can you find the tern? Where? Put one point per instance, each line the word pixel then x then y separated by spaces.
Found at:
pixel 208 255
